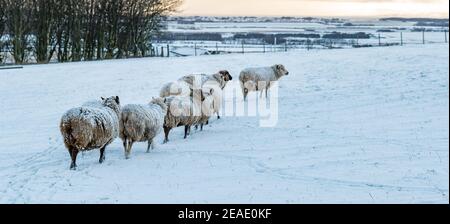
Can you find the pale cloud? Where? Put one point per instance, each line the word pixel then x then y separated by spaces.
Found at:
pixel 348 8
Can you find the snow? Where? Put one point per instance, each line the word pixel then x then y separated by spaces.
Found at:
pixel 355 126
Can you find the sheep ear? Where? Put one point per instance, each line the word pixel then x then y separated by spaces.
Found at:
pixel 211 91
pixel 117 100
pixel 103 98
pixel 165 100
pixel 278 66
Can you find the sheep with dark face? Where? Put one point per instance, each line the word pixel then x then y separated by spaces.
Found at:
pixel 221 78
pixel 91 126
pixel 216 81
pixel 141 123
pixel 259 79
pixel 185 85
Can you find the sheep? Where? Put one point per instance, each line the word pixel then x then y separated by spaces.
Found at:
pixel 183 111
pixel 259 79
pixel 217 95
pixel 184 85
pixel 178 88
pixel 217 81
pixel 93 125
pixel 207 107
pixel 221 78
pixel 141 123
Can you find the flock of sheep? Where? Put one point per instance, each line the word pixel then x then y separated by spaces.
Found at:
pixel 189 101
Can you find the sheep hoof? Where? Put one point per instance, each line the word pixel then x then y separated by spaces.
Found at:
pixel 101 160
pixel 73 167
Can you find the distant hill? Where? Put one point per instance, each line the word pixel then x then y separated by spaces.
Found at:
pixel 420 21
pixel 413 19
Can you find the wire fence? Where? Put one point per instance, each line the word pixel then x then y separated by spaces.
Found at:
pixel 180 49
pixel 196 48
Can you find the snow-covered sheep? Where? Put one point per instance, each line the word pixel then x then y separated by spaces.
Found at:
pixel 216 81
pixel 207 107
pixel 93 125
pixel 185 85
pixel 221 78
pixel 178 88
pixel 259 79
pixel 141 123
pixel 183 111
pixel 217 97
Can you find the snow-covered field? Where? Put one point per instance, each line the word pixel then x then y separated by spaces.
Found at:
pixel 355 126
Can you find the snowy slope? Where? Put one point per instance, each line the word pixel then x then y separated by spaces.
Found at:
pixel 355 126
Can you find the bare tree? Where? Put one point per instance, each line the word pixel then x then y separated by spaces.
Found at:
pixel 44 27
pixel 75 30
pixel 18 17
pixel 2 27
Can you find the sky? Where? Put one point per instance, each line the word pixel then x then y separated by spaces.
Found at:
pixel 323 8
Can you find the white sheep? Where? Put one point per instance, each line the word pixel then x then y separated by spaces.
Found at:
pixel 183 111
pixel 93 125
pixel 216 81
pixel 185 85
pixel 221 78
pixel 178 88
pixel 259 79
pixel 141 123
pixel 207 107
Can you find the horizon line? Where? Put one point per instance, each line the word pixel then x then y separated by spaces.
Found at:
pixel 318 16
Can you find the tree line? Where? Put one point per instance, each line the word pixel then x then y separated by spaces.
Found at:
pixel 75 30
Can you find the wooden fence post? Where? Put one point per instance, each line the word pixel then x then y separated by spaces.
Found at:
pixel 168 50
pixel 195 49
pixel 379 39
pixel 445 35
pixel 401 38
pixel 423 36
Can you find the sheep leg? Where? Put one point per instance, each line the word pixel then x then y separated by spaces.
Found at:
pixel 201 127
pixel 125 146
pixel 150 145
pixel 128 151
pixel 218 116
pixel 186 131
pixel 267 92
pixel 73 154
pixel 166 134
pixel 102 154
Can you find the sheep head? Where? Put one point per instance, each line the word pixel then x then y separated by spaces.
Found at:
pixel 280 70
